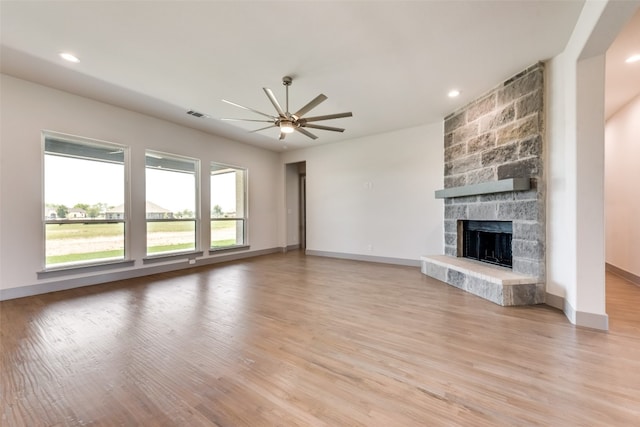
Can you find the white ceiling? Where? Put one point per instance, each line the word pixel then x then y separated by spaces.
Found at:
pixel 389 62
pixel 623 80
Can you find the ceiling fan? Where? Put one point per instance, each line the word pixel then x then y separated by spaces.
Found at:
pixel 291 122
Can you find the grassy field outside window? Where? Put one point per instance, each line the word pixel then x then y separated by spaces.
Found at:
pixel 78 243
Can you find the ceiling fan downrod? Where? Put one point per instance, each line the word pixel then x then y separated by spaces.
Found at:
pixel 286 81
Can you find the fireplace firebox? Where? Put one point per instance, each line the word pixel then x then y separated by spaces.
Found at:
pixel 486 241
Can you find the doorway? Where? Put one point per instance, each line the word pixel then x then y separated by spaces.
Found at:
pixel 296 205
pixel 622 149
pixel 303 211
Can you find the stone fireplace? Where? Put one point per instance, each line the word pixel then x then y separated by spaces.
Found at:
pixel 494 194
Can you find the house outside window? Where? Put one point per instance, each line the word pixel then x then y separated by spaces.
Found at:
pixel 83 180
pixel 228 206
pixel 171 203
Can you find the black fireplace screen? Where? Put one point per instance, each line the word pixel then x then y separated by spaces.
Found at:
pixel 488 241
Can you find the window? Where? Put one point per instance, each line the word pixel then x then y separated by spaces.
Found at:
pixel 171 203
pixel 228 206
pixel 84 201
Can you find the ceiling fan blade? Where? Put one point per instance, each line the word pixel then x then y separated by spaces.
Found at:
pixel 258 130
pixel 274 101
pixel 247 108
pixel 323 127
pixel 327 117
pixel 306 133
pixel 311 105
pixel 247 120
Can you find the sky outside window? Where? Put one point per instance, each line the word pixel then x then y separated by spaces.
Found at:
pixel 69 181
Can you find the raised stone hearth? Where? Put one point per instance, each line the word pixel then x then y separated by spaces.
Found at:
pixel 496 284
pixel 494 171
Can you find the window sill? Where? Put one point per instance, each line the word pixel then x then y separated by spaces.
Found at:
pixel 172 257
pixel 82 269
pixel 229 249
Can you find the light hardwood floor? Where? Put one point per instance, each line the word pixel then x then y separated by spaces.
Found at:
pixel 285 340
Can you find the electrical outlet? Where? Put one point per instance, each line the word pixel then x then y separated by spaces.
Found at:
pixel 192 261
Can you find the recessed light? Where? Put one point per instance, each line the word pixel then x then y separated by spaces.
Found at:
pixel 633 58
pixel 69 57
pixel 453 93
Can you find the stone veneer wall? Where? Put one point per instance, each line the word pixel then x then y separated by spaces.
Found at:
pixel 499 136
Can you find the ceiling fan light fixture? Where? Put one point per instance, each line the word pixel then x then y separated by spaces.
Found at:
pixel 286 127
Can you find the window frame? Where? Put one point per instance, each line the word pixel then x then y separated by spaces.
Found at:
pixel 89 265
pixel 190 253
pixel 244 219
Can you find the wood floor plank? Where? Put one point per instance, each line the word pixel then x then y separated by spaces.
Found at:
pixel 294 340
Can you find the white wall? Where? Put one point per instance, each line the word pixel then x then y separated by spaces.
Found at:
pixel 622 188
pixel 575 171
pixel 28 108
pixel 373 198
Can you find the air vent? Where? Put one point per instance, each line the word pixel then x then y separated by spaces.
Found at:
pixel 196 113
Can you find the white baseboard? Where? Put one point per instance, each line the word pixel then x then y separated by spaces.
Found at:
pixel 367 258
pixel 554 301
pixel 79 282
pixel 578 318
pixel 626 275
pixel 592 320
